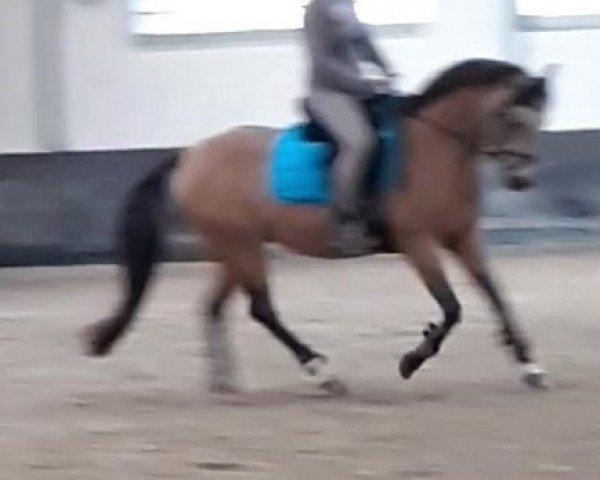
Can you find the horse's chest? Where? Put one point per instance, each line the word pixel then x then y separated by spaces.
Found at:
pixel 443 216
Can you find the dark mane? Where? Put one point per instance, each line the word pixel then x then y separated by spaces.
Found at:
pixel 465 74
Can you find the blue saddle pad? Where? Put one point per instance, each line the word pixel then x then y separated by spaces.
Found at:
pixel 299 169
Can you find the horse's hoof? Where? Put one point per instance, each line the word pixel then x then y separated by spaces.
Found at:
pixel 534 376
pixel 96 342
pixel 320 372
pixel 409 364
pixel 334 387
pixel 92 347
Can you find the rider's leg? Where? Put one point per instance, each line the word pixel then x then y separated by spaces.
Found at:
pixel 347 123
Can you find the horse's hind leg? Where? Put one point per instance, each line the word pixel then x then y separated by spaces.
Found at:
pixel 249 267
pixel 469 254
pixel 222 369
pixel 422 253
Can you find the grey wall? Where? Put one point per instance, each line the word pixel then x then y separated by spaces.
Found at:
pixel 61 207
pixel 563 209
pixel 568 177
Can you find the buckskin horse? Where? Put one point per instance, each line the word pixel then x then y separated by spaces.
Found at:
pixel 251 185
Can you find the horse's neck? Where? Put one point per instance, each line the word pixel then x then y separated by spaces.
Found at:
pixel 460 113
pixel 448 162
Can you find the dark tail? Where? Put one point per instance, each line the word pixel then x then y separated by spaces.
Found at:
pixel 139 246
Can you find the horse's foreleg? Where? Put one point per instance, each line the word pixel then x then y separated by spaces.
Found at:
pixel 469 253
pixel 423 256
pixel 222 374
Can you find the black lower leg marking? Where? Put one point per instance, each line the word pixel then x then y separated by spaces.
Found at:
pixel 512 335
pixel 434 334
pixel 262 310
pixel 451 309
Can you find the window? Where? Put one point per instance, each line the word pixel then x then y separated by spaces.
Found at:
pixel 190 17
pixel 558 14
pixel 557 8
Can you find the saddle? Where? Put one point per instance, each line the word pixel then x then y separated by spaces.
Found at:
pixel 380 110
pixel 301 157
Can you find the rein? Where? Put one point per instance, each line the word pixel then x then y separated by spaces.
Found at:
pixel 460 137
pixel 469 144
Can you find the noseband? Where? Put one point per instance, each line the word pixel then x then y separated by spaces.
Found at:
pixel 509 152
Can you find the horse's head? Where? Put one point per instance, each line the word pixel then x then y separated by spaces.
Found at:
pixel 512 135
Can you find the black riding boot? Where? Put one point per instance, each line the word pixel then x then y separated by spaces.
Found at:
pixel 351 237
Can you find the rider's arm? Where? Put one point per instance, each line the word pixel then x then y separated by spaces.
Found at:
pixel 319 31
pixel 345 15
pixel 371 53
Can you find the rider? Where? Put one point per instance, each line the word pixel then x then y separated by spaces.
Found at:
pixel 338 43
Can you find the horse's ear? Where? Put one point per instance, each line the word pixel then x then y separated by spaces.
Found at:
pixel 538 84
pixel 550 71
pixel 530 91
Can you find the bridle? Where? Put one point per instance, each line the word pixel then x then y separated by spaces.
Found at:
pixel 469 144
pixel 440 127
pixel 510 152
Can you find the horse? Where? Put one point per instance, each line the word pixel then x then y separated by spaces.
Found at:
pixel 473 109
